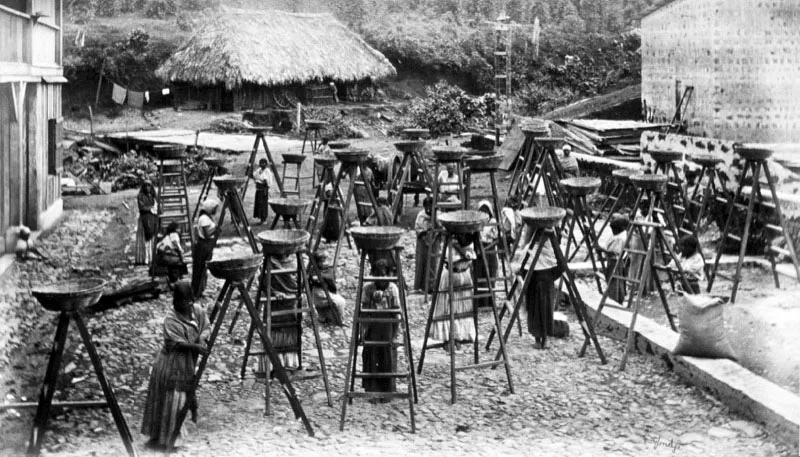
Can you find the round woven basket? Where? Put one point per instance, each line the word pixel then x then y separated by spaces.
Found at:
pixel 326 161
pixel 463 221
pixel 650 182
pixel 283 241
pixel 543 216
pixel 752 152
pixel 259 129
pixel 225 183
pixel 376 238
pixel 293 158
pixel 706 160
pixel 409 146
pixel 489 163
pixel 173 166
pixel 338 145
pixel 581 186
pixel 448 153
pixel 288 206
pixel 624 174
pixel 666 156
pixel 535 128
pixel 549 142
pixel 415 134
pixel 70 295
pixel 351 155
pixel 215 161
pixel 480 152
pixel 169 151
pixel 315 124
pixel 236 268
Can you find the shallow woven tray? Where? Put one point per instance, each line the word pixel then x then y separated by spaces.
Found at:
pixel 224 183
pixel 543 216
pixel 752 152
pixel 480 152
pixel 534 131
pixel 283 241
pixel 625 173
pixel 288 206
pixel 169 151
pixel 290 157
pixel 325 161
pixel 351 155
pixel 338 145
pixel 376 238
pixel 406 146
pixel 484 163
pixel 448 153
pixel 650 181
pixel 70 295
pixel 215 161
pixel 315 124
pixel 581 186
pixel 172 167
pixel 236 267
pixel 463 221
pixel 666 156
pixel 416 133
pixel 259 129
pixel 548 141
pixel 706 160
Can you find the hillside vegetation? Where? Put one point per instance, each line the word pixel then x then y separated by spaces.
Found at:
pixel 585 47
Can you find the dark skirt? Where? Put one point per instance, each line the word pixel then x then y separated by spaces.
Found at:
pixel 149 224
pixel 421 267
pixel 482 275
pixel 201 253
pixel 333 224
pixel 616 287
pixel 261 206
pixel 167 393
pixel 540 299
pixel 381 359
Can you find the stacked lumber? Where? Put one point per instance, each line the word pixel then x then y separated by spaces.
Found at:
pixel 607 138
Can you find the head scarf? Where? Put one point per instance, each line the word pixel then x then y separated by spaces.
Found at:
pixel 486 204
pixel 210 205
pixel 182 294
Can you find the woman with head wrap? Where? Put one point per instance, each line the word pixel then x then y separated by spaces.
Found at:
pixel 383 296
pixel 541 292
pixel 148 223
pixel 489 242
pixel 264 181
pixel 456 274
pixel 422 226
pixel 205 237
pixel 186 332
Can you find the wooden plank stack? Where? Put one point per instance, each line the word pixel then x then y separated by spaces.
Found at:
pixel 606 138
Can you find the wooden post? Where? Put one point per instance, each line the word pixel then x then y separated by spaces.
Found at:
pixel 99 83
pixel 299 111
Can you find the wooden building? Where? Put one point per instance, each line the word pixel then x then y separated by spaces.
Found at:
pixel 741 56
pixel 31 76
pixel 243 59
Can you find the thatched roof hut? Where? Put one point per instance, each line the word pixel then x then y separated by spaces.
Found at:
pixel 236 48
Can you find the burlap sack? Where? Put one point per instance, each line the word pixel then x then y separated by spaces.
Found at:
pixel 702 328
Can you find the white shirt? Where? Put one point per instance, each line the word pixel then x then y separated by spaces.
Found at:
pixel 447 184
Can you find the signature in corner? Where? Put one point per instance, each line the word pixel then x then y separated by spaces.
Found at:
pixel 658 442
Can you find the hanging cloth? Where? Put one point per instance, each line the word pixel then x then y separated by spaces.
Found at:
pixel 135 99
pixel 147 97
pixel 118 94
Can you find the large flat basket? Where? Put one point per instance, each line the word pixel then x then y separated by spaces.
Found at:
pixel 215 161
pixel 376 238
pixel 463 221
pixel 752 152
pixel 283 241
pixel 624 174
pixel 70 295
pixel 581 186
pixel 290 157
pixel 288 206
pixel 169 151
pixel 666 156
pixel 226 183
pixel 325 161
pixel 339 144
pixel 706 160
pixel 235 267
pixel 315 124
pixel 409 146
pixel 448 153
pixel 543 216
pixel 488 163
pixel 650 181
pixel 415 134
pixel 351 155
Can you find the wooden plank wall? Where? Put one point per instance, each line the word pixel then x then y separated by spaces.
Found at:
pixel 11 32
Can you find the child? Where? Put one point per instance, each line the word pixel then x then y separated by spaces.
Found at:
pixel 461 253
pixel 692 263
pixel 170 253
pixel 326 280
pixel 186 332
pixel 613 251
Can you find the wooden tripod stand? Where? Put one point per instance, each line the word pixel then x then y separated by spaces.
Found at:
pixel 261 139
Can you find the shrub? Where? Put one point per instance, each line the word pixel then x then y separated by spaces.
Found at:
pixel 448 109
pixel 161 9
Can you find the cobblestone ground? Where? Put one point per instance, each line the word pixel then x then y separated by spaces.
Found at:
pixel 561 405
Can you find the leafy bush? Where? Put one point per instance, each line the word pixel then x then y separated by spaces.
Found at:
pixel 448 109
pixel 161 8
pixel 337 124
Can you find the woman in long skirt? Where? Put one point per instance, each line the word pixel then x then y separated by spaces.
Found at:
pixel 286 331
pixel 422 226
pixel 205 238
pixel 613 250
pixel 541 294
pixel 148 223
pixel 462 254
pixel 263 179
pixel 380 295
pixel 489 242
pixel 186 333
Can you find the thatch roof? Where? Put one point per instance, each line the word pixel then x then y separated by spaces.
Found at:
pixel 273 48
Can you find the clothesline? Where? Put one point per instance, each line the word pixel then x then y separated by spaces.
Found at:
pixel 120 94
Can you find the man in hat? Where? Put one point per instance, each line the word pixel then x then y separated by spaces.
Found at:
pixel 569 164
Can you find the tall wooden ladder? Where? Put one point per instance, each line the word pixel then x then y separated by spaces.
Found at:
pixel 621 189
pixel 412 172
pixel 666 164
pixel 756 161
pixel 579 216
pixel 292 184
pixel 173 196
pixel 261 140
pixel 703 197
pixel 369 319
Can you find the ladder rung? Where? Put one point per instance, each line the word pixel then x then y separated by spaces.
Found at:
pixel 679 208
pixel 492 363
pixel 278 349
pixel 379 320
pixel 626 279
pixel 289 312
pixel 361 374
pixel 171 175
pixel 279 301
pixel 695 202
pixel 288 324
pixel 381 344
pixel 686 231
pixel 635 251
pixel 722 200
pixel 457 316
pixel 724 276
pixel 381 278
pixel 376 395
pixel 646 224
pixel 734 237
pixel 774 228
pixel 780 250
pixel 282 271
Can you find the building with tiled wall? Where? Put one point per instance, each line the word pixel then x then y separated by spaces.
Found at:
pixel 741 56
